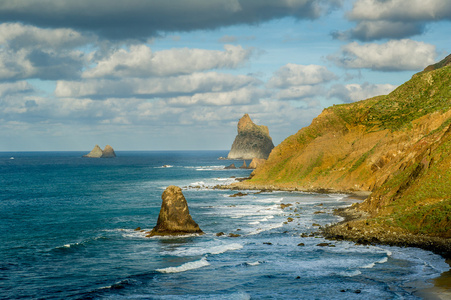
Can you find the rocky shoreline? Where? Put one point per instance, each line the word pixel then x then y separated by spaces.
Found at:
pixel 357 228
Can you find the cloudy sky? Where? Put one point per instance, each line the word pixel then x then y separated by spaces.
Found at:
pixel 178 74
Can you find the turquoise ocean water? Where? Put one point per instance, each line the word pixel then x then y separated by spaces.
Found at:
pixel 68 224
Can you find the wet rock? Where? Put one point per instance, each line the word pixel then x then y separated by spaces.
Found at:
pixel 239 194
pixel 301 244
pixel 234 235
pixel 232 166
pixel 174 217
pixel 220 233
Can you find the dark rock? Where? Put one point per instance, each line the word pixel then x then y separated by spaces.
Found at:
pixel 232 166
pixel 220 233
pixel 239 194
pixel 301 244
pixel 252 141
pixel 137 228
pixel 283 206
pixel 323 244
pixel 267 243
pixel 243 166
pixel 234 235
pixel 174 217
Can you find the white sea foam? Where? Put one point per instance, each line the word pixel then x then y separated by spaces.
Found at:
pixel 368 266
pixel 255 263
pixel 186 266
pixel 350 273
pixel 266 228
pixel 383 260
pixel 204 248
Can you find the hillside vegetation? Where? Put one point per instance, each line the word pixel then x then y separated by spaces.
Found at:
pixel 397 146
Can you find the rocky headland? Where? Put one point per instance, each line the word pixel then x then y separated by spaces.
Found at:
pixel 252 141
pixel 97 152
pixel 174 217
pixel 395 147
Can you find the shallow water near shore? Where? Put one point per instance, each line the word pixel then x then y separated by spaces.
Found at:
pixel 68 231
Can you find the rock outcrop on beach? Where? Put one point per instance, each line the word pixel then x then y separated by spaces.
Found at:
pixel 97 152
pixel 396 147
pixel 252 141
pixel 256 162
pixel 174 217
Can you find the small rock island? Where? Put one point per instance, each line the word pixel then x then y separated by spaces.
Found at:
pixel 174 217
pixel 252 141
pixel 97 152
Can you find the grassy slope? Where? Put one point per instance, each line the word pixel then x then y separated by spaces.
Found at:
pixel 397 146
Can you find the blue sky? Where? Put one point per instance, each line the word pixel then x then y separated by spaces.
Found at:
pixel 178 75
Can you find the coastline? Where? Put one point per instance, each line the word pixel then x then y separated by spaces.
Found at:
pixel 355 228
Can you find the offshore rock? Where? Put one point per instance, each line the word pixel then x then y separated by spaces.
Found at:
pixel 108 152
pixel 97 152
pixel 252 141
pixel 174 217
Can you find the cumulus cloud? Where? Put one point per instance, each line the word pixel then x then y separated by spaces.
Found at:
pixel 395 55
pixel 154 87
pixel 379 19
pixel 294 75
pixel 139 61
pixel 356 92
pixel 11 88
pixel 141 18
pixel 299 82
pixel 31 52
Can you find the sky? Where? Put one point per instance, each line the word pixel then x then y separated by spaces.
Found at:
pixel 179 74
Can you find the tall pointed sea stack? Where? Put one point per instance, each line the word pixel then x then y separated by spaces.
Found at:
pixel 252 141
pixel 174 217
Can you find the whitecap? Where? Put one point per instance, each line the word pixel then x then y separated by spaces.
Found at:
pixel 186 266
pixel 350 273
pixel 255 263
pixel 205 249
pixel 368 266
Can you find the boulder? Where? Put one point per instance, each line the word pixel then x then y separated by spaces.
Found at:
pixel 252 141
pixel 232 166
pixel 174 217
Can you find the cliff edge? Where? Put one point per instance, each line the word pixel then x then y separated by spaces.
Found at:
pixel 252 141
pixel 396 147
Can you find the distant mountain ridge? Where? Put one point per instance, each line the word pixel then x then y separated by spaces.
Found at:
pixel 397 146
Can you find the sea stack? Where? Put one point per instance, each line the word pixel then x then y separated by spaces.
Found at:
pixel 252 141
pixel 97 152
pixel 174 217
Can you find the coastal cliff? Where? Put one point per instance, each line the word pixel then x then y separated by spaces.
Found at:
pixel 252 141
pixel 396 147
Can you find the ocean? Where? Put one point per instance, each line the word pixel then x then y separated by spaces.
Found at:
pixel 68 231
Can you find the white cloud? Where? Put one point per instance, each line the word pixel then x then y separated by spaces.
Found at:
pixel 295 75
pixel 17 36
pixel 391 56
pixel 139 61
pixel 356 92
pixel 401 10
pixel 154 87
pixel 12 88
pixel 379 19
pixel 300 92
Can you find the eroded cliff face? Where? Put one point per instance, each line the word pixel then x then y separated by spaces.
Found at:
pixel 396 146
pixel 252 141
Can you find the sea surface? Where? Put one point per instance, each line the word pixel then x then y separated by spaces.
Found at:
pixel 67 231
